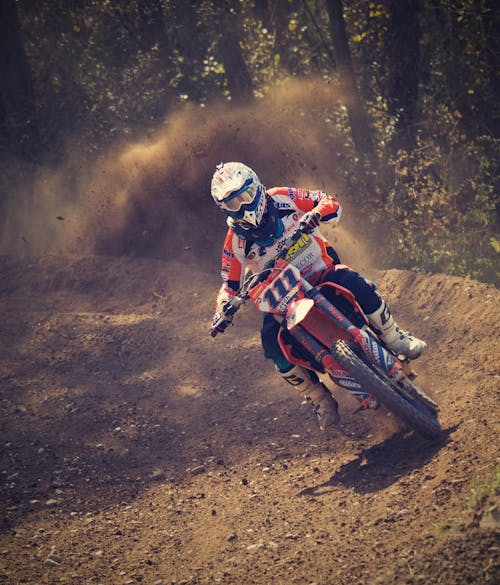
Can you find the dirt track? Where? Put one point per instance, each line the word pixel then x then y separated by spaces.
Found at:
pixel 136 449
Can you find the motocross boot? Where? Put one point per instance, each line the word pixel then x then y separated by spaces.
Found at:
pixel 397 340
pixel 325 406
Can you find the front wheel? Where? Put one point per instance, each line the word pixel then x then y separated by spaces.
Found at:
pixel 423 421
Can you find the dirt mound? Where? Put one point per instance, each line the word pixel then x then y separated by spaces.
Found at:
pixel 137 449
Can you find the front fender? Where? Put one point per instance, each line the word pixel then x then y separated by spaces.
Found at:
pixel 297 311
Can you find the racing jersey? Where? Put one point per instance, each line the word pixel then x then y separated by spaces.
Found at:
pixel 240 255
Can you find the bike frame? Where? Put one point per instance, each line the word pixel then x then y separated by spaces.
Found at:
pixel 316 324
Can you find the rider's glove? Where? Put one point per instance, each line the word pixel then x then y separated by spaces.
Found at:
pixel 223 324
pixel 309 221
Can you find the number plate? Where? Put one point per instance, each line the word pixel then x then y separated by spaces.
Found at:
pixel 274 294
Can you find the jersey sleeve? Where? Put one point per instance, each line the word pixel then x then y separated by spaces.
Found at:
pixel 231 271
pixel 326 205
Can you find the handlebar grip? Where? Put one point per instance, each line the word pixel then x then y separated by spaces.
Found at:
pixel 224 320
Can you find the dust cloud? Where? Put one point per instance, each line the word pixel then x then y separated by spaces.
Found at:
pixel 152 198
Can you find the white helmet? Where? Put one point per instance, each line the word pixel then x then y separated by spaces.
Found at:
pixel 237 190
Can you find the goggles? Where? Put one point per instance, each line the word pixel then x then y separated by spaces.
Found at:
pixel 243 196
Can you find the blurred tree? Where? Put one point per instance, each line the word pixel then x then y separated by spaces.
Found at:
pixel 275 16
pixel 358 119
pixel 189 40
pixel 463 48
pixel 18 116
pixel 152 34
pixel 229 27
pixel 402 60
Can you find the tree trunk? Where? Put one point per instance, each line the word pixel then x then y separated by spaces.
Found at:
pixel 490 51
pixel 403 64
pixel 275 16
pixel 358 119
pixel 152 27
pixel 238 76
pixel 184 39
pixel 17 100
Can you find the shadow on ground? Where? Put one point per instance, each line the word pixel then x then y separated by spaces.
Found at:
pixel 381 465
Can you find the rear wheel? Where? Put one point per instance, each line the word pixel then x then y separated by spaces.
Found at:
pixel 420 419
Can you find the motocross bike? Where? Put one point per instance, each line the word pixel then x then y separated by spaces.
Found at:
pixel 333 337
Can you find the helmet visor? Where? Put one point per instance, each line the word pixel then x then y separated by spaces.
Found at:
pixel 244 196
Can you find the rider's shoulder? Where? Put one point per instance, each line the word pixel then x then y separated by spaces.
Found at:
pixel 284 197
pixel 289 192
pixel 233 243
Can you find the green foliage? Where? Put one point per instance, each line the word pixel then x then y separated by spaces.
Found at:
pixel 430 228
pixel 442 204
pixel 482 494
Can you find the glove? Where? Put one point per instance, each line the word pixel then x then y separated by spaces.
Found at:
pixel 309 221
pixel 222 326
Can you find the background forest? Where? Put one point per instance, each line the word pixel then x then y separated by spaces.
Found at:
pixel 414 133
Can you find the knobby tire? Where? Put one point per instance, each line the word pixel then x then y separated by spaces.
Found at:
pixel 423 422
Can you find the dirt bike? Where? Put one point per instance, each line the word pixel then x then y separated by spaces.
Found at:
pixel 333 337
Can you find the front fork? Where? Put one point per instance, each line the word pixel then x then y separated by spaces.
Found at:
pixel 375 352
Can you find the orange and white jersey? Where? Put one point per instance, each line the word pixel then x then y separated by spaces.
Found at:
pixel 240 255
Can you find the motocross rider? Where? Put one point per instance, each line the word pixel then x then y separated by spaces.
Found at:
pixel 259 220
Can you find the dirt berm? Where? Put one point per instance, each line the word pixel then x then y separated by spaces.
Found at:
pixel 137 449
